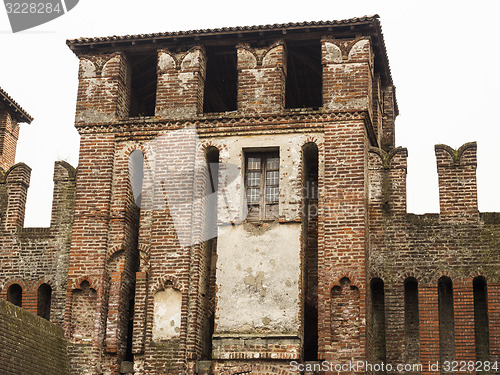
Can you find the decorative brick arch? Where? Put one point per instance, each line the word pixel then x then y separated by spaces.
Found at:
pixel 41 281
pixel 146 149
pixel 94 283
pixel 183 56
pixel 25 285
pixel 176 64
pixel 354 282
pixel 165 280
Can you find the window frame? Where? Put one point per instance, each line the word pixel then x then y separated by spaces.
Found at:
pixel 263 209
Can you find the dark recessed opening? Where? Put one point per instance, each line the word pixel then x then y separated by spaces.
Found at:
pixel 15 295
pixel 221 83
pixel 481 325
pixel 412 338
pixel 143 84
pixel 44 301
pixel 310 220
pixel 446 320
pixel 304 80
pixel 378 321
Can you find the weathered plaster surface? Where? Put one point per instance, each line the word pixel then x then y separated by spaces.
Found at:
pixel 167 314
pixel 258 269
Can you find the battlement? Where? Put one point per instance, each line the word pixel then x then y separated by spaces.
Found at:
pixel 262 71
pixel 35 260
pixel 457 182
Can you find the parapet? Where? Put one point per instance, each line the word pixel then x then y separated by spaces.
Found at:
pixel 457 183
pixel 14 184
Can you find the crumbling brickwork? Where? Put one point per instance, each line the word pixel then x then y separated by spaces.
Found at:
pixel 240 206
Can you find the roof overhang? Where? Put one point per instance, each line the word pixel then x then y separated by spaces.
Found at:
pixel 14 109
pixel 341 29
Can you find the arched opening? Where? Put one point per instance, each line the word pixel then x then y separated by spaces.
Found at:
pixel 209 251
pixel 136 173
pixel 310 236
pixel 378 321
pixel 446 320
pixel 136 176
pixel 481 324
pixel 412 330
pixel 15 295
pixel 44 301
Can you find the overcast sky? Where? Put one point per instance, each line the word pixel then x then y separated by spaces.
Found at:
pixel 443 55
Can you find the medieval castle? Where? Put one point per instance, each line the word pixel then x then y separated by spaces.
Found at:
pixel 239 207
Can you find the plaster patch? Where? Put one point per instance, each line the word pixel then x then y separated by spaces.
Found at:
pixel 167 314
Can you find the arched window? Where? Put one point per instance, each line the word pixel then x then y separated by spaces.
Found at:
pixel 446 319
pixel 15 295
pixel 310 222
pixel 378 321
pixel 412 336
pixel 209 255
pixel 481 328
pixel 44 300
pixel 136 172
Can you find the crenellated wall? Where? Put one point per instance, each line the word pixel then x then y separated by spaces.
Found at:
pixel 459 243
pixel 32 257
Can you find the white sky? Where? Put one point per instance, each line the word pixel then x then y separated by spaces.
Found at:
pixel 443 55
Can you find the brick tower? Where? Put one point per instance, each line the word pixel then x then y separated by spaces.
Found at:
pixel 240 208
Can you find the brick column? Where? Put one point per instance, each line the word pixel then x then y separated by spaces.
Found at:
pixel 89 246
pixel 261 79
pixel 457 183
pixel 17 182
pixel 181 79
pixel 103 95
pixel 343 233
pixel 494 320
pixel 463 301
pixel 429 326
pixel 347 77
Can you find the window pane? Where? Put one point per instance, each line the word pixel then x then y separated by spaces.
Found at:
pixel 254 163
pixel 273 163
pixel 253 179
pixel 253 195
pixel 272 178
pixel 272 194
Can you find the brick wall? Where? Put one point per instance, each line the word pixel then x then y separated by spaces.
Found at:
pixel 30 344
pixel 458 245
pixel 31 257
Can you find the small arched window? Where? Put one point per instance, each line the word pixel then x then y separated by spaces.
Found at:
pixel 446 319
pixel 15 295
pixel 378 320
pixel 412 337
pixel 481 325
pixel 136 173
pixel 44 301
